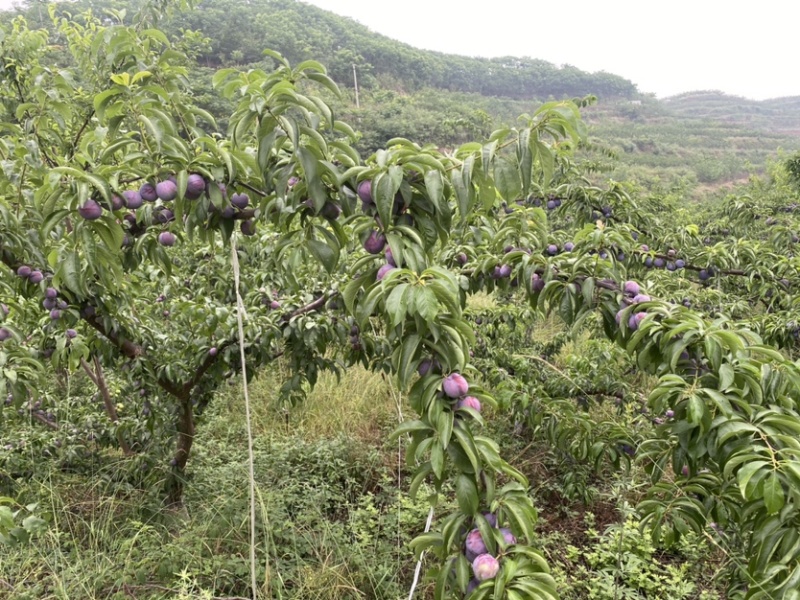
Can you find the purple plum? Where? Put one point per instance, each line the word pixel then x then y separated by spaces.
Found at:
pixel 455 386
pixel 148 192
pixel 90 210
pixel 485 567
pixel 469 402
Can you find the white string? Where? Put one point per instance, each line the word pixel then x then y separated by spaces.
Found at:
pixel 240 315
pixel 419 562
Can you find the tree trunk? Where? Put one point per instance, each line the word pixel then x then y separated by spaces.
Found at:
pixel 173 487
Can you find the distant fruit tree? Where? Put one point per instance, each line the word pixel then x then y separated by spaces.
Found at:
pixel 124 213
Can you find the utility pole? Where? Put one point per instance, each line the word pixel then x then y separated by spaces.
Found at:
pixel 355 81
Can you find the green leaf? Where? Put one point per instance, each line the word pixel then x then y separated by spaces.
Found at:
pixel 467 494
pixel 773 493
pixel 397 303
pixel 324 253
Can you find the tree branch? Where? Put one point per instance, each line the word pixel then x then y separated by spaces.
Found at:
pixel 97 378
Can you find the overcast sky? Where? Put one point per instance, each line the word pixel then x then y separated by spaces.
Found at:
pixel 740 47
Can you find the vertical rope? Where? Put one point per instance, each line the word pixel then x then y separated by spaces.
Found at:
pixel 419 562
pixel 240 314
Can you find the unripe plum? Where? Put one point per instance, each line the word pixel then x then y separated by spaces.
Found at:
pixel 455 386
pixel 90 210
pixel 485 567
pixel 148 192
pixel 166 190
pixel 375 242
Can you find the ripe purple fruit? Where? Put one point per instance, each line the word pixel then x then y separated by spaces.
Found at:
pixel 375 242
pixel 165 216
pixel 133 199
pixel 240 201
pixel 485 567
pixel 469 402
pixel 274 305
pixel 552 249
pixel 228 212
pixel 90 210
pixel 49 303
pixel 166 190
pixel 330 211
pixel 491 518
pixel 248 227
pixel 537 283
pixel 670 413
pixel 36 277
pixel 461 258
pixel 475 543
pixel 659 263
pixel 4 334
pixel 389 257
pixel 365 192
pixel 55 314
pixel 640 298
pixel 24 271
pixel 71 334
pixel 635 319
pixel 631 288
pixel 212 351
pixel 455 386
pixel 680 263
pixel 148 192
pixel 195 186
pixel 551 204
pixel 382 272
pixel 508 537
pixel 117 203
pixel 166 238
pixel 569 247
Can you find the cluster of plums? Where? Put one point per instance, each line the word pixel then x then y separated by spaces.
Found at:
pixel 455 387
pixel 484 565
pixel 632 295
pixel 375 241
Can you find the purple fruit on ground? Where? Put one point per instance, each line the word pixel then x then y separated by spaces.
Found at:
pixel 508 537
pixel 166 190
pixel 36 277
pixel 117 203
pixel 475 543
pixel 90 210
pixel 365 192
pixel 24 271
pixel 195 186
pixel 148 192
pixel 640 298
pixel 455 386
pixel 4 334
pixel 166 238
pixel 71 334
pixel 240 201
pixel 569 247
pixel 248 227
pixel 55 314
pixel 330 211
pixel 212 351
pixel 631 288
pixel 375 242
pixel 383 271
pixel 133 199
pixel 485 567
pixel 469 402
pixel 49 303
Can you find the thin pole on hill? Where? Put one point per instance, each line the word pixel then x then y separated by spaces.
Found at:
pixel 355 83
pixel 250 460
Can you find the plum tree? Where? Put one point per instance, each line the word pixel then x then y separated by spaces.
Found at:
pixel 733 399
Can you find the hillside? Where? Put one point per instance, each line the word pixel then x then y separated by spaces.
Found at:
pixel 698 138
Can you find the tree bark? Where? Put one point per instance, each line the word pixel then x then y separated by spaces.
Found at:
pixel 173 487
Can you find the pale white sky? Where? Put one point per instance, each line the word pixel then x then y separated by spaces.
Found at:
pixel 740 47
